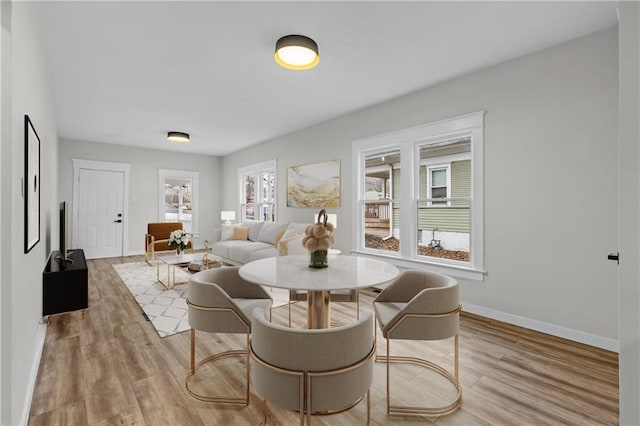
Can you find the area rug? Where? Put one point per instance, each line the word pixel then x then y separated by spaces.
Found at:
pixel 167 309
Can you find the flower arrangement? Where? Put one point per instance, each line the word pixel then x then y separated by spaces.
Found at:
pixel 178 240
pixel 318 239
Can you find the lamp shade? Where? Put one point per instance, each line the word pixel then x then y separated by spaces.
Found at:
pixel 228 216
pixel 331 218
pixel 296 52
pixel 180 137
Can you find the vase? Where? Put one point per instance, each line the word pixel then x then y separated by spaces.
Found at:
pixel 318 259
pixel 179 251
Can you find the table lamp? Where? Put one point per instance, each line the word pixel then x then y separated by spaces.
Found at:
pixel 227 216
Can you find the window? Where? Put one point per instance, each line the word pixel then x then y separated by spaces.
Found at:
pixel 178 198
pixel 444 199
pixel 420 196
pixel 438 184
pixel 258 191
pixel 381 201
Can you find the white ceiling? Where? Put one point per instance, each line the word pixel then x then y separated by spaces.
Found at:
pixel 126 73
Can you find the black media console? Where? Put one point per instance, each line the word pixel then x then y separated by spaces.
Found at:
pixel 65 284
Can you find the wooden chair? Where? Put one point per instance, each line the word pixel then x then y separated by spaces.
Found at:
pixel 157 239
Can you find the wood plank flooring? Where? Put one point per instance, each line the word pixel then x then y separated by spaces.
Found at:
pixel 113 368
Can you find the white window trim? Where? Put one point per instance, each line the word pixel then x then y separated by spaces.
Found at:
pixel 187 174
pixel 408 141
pixel 255 170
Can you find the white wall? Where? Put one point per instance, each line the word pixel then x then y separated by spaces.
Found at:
pixel 629 213
pixel 144 183
pixel 5 207
pixel 550 162
pixel 30 91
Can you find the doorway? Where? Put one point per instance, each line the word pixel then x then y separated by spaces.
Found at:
pixel 100 208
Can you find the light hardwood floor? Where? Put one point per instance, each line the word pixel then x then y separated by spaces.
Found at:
pixel 113 368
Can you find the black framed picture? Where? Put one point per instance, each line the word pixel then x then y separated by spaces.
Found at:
pixel 31 186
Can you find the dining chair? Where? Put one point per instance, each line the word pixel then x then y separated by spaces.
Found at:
pixel 313 371
pixel 420 305
pixel 220 301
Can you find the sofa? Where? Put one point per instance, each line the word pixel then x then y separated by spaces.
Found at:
pixel 252 240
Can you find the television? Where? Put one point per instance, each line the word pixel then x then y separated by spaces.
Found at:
pixel 64 252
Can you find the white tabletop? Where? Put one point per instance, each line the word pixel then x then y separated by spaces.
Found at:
pixel 293 273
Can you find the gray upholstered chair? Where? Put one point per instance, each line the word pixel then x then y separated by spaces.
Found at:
pixel 420 305
pixel 220 301
pixel 321 370
pixel 335 296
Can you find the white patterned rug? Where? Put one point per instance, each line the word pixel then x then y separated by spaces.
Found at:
pixel 167 309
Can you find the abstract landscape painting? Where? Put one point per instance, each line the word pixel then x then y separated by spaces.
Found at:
pixel 314 185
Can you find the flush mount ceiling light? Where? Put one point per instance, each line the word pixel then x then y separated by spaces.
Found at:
pixel 296 52
pixel 178 137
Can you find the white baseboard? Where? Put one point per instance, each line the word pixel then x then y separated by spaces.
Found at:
pixel 543 327
pixel 31 385
pixel 135 253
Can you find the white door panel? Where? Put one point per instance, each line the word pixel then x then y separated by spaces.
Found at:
pixel 101 195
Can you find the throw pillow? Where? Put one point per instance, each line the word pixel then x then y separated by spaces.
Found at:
pixel 240 233
pixel 292 245
pixel 254 228
pixel 278 237
pixel 288 233
pixel 226 232
pixel 270 231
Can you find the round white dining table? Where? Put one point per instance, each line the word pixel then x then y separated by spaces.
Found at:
pixel 344 272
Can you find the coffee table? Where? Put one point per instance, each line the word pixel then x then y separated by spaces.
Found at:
pixel 174 261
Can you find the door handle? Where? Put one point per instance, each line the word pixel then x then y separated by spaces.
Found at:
pixel 614 256
pixel 117 221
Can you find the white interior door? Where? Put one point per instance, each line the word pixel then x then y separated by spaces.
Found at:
pixel 100 213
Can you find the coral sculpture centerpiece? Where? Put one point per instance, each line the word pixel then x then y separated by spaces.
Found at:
pixel 318 239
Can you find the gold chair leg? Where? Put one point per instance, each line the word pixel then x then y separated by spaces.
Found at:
pixel 194 368
pixel 193 350
pixel 368 406
pixel 265 411
pixel 453 379
pixel 305 382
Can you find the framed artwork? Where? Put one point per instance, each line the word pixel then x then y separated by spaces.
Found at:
pixel 314 185
pixel 31 186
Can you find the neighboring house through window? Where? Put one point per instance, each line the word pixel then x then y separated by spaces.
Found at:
pixel 258 191
pixel 420 195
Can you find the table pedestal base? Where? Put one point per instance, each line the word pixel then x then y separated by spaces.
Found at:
pixel 318 312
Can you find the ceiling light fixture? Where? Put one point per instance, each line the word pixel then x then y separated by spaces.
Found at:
pixel 178 137
pixel 296 52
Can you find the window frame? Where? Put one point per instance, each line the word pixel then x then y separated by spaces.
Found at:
pixel 256 170
pixel 163 174
pixel 409 142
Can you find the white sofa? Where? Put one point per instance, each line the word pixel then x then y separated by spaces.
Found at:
pixel 261 241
